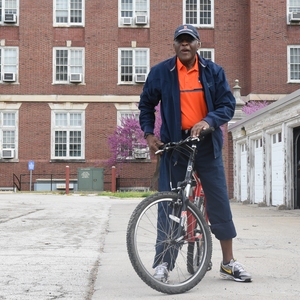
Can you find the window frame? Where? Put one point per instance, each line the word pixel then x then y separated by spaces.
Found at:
pixel 134 14
pixel 2 14
pixel 198 24
pixel 211 50
pixel 68 128
pixel 14 128
pixel 68 23
pixel 134 50
pixel 289 47
pixel 289 9
pixel 69 49
pixel 2 64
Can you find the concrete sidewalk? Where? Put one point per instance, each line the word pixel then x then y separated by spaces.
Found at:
pixel 74 247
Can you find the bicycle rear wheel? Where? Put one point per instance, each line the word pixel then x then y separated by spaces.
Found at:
pixel 146 234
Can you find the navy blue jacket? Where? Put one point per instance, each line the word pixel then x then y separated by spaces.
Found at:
pixel 162 85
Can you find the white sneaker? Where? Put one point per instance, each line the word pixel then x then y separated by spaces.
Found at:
pixel 234 271
pixel 161 272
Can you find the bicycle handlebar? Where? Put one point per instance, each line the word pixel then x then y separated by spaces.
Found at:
pixel 172 145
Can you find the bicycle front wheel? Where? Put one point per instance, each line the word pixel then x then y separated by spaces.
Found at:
pixel 152 239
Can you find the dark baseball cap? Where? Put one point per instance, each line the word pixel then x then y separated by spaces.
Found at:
pixel 187 29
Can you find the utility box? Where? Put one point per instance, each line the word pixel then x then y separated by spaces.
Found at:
pixel 90 179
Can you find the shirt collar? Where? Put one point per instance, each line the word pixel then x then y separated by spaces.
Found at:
pixel 195 67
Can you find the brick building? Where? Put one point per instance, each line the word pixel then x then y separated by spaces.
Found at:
pixel 69 69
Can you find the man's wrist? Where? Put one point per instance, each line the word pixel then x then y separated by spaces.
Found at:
pixel 146 134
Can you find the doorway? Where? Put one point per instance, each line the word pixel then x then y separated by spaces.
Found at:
pixel 296 134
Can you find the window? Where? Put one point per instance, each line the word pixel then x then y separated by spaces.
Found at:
pixel 198 12
pixel 69 12
pixel 8 64
pixel 133 65
pixel 68 134
pixel 207 53
pixel 68 65
pixel 8 133
pixel 134 13
pixel 9 11
pixel 293 57
pixel 293 9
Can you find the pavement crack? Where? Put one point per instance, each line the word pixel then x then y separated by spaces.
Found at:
pixel 20 216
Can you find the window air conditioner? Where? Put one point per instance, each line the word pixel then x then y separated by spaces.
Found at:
pixel 9 77
pixel 141 20
pixel 140 153
pixel 10 18
pixel 140 77
pixel 294 16
pixel 8 153
pixel 127 21
pixel 76 77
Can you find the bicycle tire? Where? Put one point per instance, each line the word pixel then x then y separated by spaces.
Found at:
pixel 142 239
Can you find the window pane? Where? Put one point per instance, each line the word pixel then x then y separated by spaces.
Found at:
pixel 9 119
pixel 191 11
pixel 76 11
pixel 61 65
pixel 61 119
pixel 8 139
pixel 10 60
pixel 62 11
pixel 75 119
pixel 126 65
pixel 205 11
pixel 140 62
pixel 126 8
pixel 295 63
pixel 60 143
pixel 76 61
pixel 75 143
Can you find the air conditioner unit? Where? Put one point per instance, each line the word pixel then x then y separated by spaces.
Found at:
pixel 127 21
pixel 76 77
pixel 140 77
pixel 10 18
pixel 9 77
pixel 294 17
pixel 140 153
pixel 8 153
pixel 141 20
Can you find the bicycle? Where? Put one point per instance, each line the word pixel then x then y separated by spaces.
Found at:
pixel 176 223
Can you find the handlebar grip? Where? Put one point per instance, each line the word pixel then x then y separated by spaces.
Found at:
pixel 207 131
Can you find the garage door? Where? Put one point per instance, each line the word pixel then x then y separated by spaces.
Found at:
pixel 258 171
pixel 244 195
pixel 277 169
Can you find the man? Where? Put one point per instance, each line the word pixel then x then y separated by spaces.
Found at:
pixel 194 95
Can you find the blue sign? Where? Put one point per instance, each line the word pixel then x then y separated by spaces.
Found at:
pixel 31 165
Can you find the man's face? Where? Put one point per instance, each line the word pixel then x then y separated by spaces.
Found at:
pixel 185 47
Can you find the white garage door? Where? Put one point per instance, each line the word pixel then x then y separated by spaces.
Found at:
pixel 258 171
pixel 244 195
pixel 277 169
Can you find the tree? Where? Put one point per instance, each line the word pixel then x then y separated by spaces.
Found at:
pixel 252 106
pixel 127 137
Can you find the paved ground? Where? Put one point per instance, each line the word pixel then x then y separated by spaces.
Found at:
pixel 73 247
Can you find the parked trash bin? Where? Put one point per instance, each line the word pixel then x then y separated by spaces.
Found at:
pixel 90 179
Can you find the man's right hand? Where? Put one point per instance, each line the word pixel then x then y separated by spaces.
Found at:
pixel 153 143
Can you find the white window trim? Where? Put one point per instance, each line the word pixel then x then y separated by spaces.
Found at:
pixel 6 107
pixel 288 64
pixel 2 65
pixel 125 108
pixel 212 50
pixel 67 108
pixel 2 23
pixel 290 9
pixel 133 74
pixel 198 25
pixel 69 24
pixel 54 64
pixel 133 17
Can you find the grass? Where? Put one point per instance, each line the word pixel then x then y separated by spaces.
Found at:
pixel 130 194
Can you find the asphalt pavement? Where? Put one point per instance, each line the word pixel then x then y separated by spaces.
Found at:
pixel 74 247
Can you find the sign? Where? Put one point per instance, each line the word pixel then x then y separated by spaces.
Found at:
pixel 31 165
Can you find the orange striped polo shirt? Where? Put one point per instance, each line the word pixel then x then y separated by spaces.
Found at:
pixel 192 102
